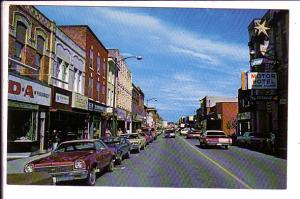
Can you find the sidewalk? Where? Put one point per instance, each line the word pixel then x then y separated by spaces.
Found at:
pixel 17 165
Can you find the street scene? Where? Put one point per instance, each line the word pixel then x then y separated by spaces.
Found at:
pixel 147 97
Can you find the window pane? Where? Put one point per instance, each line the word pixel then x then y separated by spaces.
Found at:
pixel 40 45
pixel 38 59
pixel 19 47
pixel 21 32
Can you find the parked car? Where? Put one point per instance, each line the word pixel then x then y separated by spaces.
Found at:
pixel 75 160
pixel 136 140
pixel 148 137
pixel 215 138
pixel 193 133
pixel 120 146
pixel 149 134
pixel 184 131
pixel 260 141
pixel 170 133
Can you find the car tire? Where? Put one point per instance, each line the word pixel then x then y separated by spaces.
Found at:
pixel 226 147
pixel 91 179
pixel 139 149
pixel 119 160
pixel 127 155
pixel 111 165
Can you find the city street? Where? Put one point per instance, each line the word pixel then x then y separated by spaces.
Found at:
pixel 181 163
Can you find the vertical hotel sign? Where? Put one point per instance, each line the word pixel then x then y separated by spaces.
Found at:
pixel 28 91
pixel 244 80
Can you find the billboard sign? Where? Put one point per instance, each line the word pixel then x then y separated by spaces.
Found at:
pixel 260 80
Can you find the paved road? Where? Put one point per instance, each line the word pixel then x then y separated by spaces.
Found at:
pixel 182 163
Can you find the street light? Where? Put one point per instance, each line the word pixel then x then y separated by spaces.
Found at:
pixel 151 99
pixel 116 63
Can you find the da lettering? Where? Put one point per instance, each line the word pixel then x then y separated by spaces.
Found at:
pixel 28 91
pixel 14 87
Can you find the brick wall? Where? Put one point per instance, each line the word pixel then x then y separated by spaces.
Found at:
pixel 228 111
pixel 77 34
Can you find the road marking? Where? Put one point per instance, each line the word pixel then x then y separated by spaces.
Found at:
pixel 220 166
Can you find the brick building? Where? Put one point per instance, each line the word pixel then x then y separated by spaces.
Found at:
pixel 95 75
pixel 137 107
pixel 227 113
pixel 30 57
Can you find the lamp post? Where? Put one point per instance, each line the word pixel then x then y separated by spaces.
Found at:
pixel 116 64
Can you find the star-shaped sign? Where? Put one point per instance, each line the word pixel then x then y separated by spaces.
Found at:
pixel 261 28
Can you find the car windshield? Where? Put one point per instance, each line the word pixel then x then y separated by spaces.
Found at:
pixel 133 136
pixel 111 140
pixel 75 146
pixel 213 133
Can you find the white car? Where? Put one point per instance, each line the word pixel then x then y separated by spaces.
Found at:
pixel 184 131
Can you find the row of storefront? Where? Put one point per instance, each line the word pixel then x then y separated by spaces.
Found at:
pixel 39 115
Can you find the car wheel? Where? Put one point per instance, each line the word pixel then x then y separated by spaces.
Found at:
pixel 91 179
pixel 139 149
pixel 127 155
pixel 111 165
pixel 225 147
pixel 119 159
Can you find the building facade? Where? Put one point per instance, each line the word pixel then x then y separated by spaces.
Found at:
pixel 69 108
pixel 268 47
pixel 137 108
pixel 124 92
pixel 31 42
pixel 95 76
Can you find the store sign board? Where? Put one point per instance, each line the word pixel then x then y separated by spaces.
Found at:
pixel 256 62
pixel 28 91
pixel 121 114
pixel 63 99
pixel 92 106
pixel 264 98
pixel 79 101
pixel 22 105
pixel 244 116
pixel 258 80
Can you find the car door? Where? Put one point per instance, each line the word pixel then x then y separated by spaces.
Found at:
pixel 123 146
pixel 100 154
pixel 106 153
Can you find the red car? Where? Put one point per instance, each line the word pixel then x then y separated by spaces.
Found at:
pixel 193 133
pixel 148 138
pixel 75 160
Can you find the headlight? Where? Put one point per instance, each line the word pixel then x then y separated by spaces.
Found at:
pixel 79 164
pixel 28 168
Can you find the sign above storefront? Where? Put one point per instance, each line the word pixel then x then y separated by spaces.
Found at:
pixel 264 98
pixel 79 101
pixel 23 90
pixel 256 62
pixel 63 99
pixel 257 80
pixel 93 106
pixel 121 114
pixel 244 116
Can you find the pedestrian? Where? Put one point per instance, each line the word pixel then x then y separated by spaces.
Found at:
pixel 107 133
pixel 119 132
pixel 55 139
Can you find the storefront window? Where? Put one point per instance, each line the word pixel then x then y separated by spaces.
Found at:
pixel 22 125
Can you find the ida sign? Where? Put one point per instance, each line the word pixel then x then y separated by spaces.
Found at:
pixel 257 80
pixel 27 91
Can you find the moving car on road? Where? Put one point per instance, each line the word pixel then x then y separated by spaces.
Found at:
pixel 120 146
pixel 75 160
pixel 136 140
pixel 170 133
pixel 193 133
pixel 214 138
pixel 184 131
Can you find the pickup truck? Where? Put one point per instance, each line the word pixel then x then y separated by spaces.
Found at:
pixel 214 138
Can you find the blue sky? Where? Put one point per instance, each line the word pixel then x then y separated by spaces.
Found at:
pixel 187 53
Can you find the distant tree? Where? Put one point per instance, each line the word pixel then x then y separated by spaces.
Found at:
pixel 231 124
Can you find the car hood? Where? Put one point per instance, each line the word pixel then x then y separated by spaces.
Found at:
pixel 135 140
pixel 61 158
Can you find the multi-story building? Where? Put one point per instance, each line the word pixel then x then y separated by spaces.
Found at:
pixel 124 91
pixel 95 75
pixel 31 46
pixel 206 117
pixel 268 47
pixel 69 108
pixel 137 107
